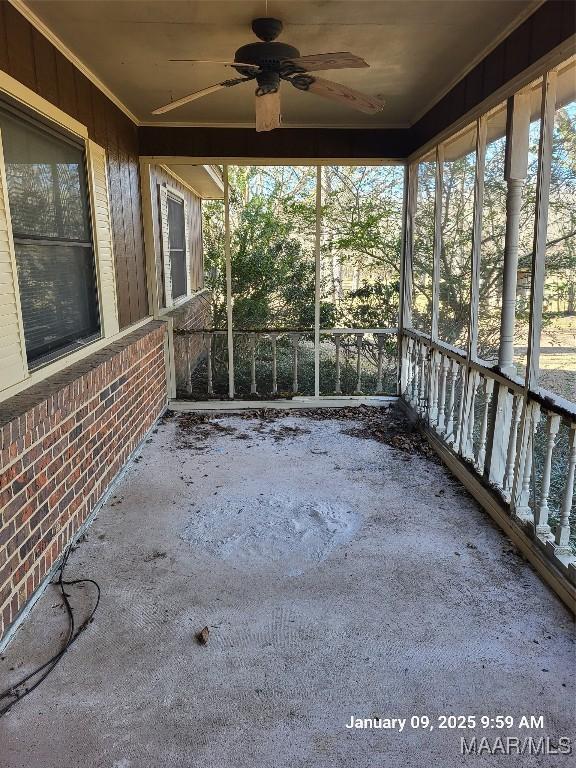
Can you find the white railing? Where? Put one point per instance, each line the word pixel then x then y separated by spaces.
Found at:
pixel 522 444
pixel 367 346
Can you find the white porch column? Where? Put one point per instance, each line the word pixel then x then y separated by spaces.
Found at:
pixel 516 168
pixel 405 314
pixel 541 227
pixel 227 254
pixel 317 292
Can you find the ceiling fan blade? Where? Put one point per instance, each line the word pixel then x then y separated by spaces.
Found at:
pixel 224 63
pixel 317 61
pixel 200 94
pixel 345 95
pixel 186 99
pixel 268 114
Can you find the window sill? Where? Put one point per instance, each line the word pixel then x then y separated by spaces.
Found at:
pixel 59 354
pixel 181 302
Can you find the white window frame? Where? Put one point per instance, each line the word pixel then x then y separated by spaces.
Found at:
pixel 165 191
pixel 17 375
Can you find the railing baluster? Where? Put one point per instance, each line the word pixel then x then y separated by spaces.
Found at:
pixel 253 389
pixel 517 403
pixel 434 373
pixel 358 390
pixel 488 390
pixel 409 368
pixel 274 365
pixel 415 376
pixel 541 517
pixel 188 382
pixel 562 533
pixel 422 405
pixel 209 364
pixel 415 373
pixel 444 367
pixel 379 384
pixel 405 371
pixel 460 420
pixel 295 342
pixel 522 507
pixel 449 431
pixel 471 416
pixel 337 387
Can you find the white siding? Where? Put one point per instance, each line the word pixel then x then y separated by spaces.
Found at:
pixel 102 233
pixel 13 364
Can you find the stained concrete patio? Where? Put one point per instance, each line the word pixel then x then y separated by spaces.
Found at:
pixel 339 576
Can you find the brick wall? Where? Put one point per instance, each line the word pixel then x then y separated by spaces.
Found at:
pixel 62 442
pixel 189 351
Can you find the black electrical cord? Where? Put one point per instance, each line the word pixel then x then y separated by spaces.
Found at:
pixel 19 690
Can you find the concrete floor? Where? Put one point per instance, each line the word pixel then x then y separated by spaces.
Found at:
pixel 338 576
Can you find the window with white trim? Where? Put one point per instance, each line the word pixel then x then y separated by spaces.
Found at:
pixel 176 255
pixel 50 219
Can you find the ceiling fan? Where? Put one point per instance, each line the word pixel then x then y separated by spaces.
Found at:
pixel 269 63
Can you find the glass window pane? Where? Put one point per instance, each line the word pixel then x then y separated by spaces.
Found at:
pixel 423 247
pixel 492 238
pixel 456 253
pixel 46 183
pixel 57 294
pixel 558 337
pixel 177 245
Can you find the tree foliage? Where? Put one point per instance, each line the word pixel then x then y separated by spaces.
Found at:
pixel 273 218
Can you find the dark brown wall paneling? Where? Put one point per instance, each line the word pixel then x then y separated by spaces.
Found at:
pixel 30 58
pixel 552 24
pixel 19 40
pixel 45 60
pixel 286 143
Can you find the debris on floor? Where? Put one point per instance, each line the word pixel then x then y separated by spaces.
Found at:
pixel 155 555
pixel 385 425
pixel 203 636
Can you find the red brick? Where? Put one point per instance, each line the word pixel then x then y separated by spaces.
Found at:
pixel 83 433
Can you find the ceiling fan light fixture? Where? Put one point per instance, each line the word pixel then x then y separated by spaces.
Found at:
pixel 268 82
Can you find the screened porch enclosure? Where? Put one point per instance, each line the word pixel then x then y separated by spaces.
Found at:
pixel 488 334
pixel 303 263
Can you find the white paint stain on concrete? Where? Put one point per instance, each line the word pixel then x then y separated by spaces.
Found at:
pixel 289 533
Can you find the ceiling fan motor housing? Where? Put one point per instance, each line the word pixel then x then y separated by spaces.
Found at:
pixel 267 56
